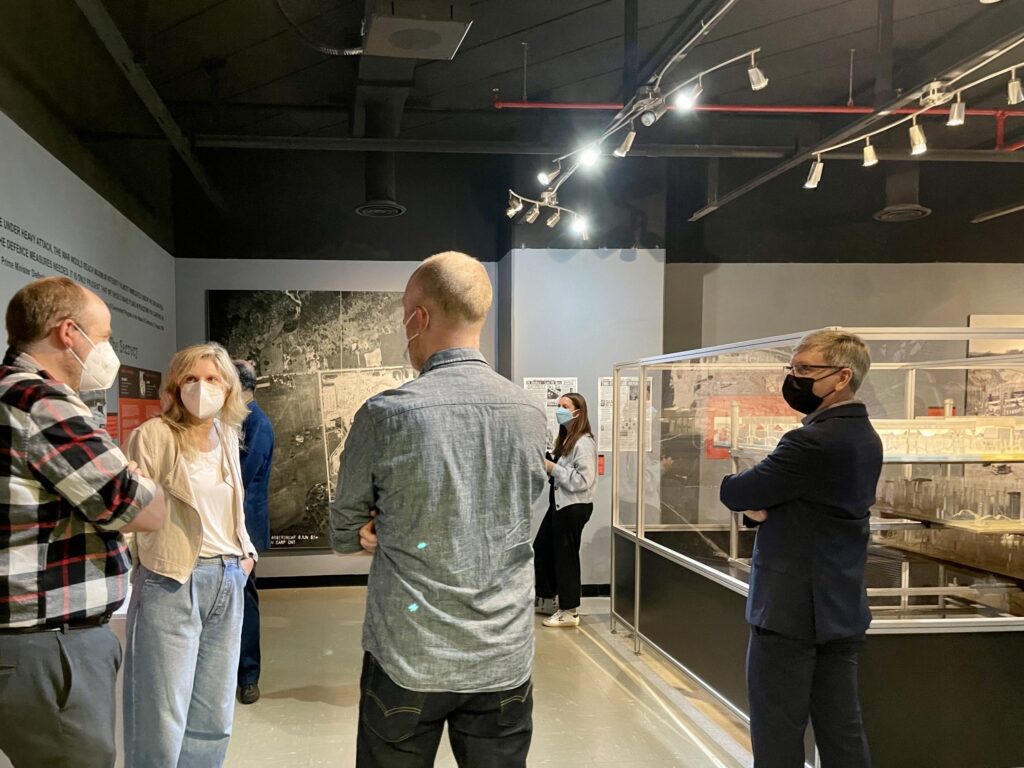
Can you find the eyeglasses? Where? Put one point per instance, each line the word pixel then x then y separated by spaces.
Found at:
pixel 802 369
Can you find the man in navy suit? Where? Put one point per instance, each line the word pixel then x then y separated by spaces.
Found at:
pixel 807 605
pixel 257 454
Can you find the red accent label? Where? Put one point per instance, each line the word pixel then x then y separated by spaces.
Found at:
pixel 600 465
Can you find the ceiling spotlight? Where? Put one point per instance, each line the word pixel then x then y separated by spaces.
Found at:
pixel 870 156
pixel 589 156
pixel 579 225
pixel 757 79
pixel 918 142
pixel 688 99
pixel 546 177
pixel 815 175
pixel 515 205
pixel 626 145
pixel 653 114
pixel 1014 92
pixel 957 113
pixel 553 218
pixel 532 215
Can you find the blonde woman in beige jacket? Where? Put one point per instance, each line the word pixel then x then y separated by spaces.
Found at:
pixel 185 614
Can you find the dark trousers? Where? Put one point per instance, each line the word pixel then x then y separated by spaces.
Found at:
pixel 399 728
pixel 790 681
pixel 556 554
pixel 249 658
pixel 57 700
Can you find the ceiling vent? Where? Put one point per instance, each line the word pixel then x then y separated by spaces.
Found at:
pixel 380 188
pixel 380 209
pixel 416 29
pixel 902 200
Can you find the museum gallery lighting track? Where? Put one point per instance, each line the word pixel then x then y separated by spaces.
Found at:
pixel 938 95
pixel 648 105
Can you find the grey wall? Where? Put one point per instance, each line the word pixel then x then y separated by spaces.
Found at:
pixel 749 301
pixel 196 276
pixel 577 313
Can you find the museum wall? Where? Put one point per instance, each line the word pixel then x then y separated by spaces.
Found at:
pixel 196 277
pixel 575 313
pixel 749 301
pixel 51 223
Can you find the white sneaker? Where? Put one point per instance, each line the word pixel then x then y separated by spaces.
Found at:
pixel 545 605
pixel 562 619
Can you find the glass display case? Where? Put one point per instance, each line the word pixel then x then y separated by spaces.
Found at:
pixel 946 561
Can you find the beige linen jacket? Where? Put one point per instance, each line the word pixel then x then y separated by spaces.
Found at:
pixel 172 550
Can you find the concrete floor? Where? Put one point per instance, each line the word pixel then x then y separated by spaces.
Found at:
pixel 596 703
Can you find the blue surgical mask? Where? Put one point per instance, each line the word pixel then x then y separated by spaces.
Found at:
pixel 563 415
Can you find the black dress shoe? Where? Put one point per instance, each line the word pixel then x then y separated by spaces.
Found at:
pixel 249 694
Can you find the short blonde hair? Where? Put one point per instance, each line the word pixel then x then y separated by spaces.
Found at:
pixel 841 349
pixel 457 284
pixel 39 306
pixel 176 416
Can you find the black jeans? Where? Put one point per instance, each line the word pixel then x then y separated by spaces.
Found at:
pixel 57 700
pixel 789 681
pixel 556 554
pixel 399 728
pixel 249 657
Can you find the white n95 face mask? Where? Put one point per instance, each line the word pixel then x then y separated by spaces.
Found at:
pixel 100 367
pixel 203 399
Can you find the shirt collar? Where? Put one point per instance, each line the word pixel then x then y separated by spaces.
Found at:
pixel 23 361
pixel 452 356
pixel 816 414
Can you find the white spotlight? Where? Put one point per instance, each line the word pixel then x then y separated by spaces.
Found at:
pixel 957 113
pixel 1014 91
pixel 589 156
pixel 870 156
pixel 687 99
pixel 626 145
pixel 553 218
pixel 918 142
pixel 580 226
pixel 815 174
pixel 653 115
pixel 546 177
pixel 515 205
pixel 532 215
pixel 757 79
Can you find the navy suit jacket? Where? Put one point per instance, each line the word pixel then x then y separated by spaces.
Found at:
pixel 818 485
pixel 257 453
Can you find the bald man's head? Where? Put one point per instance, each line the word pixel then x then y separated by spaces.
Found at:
pixel 454 285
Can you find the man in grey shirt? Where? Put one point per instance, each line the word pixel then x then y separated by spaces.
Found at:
pixel 438 478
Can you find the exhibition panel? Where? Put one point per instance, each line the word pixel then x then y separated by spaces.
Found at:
pixel 944 572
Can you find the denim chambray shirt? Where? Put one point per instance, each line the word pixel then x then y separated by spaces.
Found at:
pixel 453 461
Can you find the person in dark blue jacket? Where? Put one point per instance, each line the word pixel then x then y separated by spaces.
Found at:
pixel 257 454
pixel 807 605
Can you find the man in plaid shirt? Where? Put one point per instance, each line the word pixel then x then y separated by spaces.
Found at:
pixel 67 494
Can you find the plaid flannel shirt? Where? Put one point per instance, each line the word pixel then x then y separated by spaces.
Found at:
pixel 65 492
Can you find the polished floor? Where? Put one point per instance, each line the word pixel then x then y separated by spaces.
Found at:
pixel 597 704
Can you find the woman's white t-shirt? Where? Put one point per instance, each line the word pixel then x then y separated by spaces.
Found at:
pixel 215 501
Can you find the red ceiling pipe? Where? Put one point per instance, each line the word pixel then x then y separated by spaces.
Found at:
pixel 1014 147
pixel 777 109
pixel 1000 130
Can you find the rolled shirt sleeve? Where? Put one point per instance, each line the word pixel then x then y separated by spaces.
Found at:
pixel 83 465
pixel 354 495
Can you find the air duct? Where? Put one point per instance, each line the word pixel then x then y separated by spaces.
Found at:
pixel 902 194
pixel 380 187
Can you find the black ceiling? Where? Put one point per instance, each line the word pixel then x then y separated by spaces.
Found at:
pixel 236 67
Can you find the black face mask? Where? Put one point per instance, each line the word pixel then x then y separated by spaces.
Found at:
pixel 798 392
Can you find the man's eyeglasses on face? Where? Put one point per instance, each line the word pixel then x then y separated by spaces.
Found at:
pixel 801 369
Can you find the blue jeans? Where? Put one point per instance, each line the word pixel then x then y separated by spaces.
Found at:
pixel 181 658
